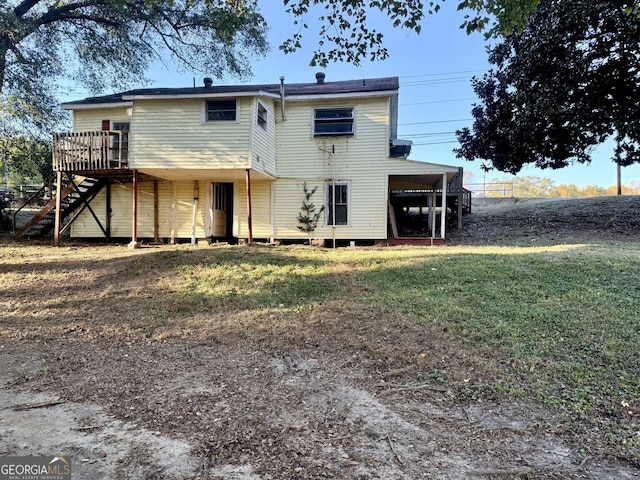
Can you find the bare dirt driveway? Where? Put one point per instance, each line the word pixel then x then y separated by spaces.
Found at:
pixel 101 364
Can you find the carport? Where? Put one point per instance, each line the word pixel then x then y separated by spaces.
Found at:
pixel 419 205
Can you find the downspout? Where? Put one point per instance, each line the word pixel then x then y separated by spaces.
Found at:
pixel 333 193
pixel 134 227
pixel 284 118
pixel 194 218
pixel 249 219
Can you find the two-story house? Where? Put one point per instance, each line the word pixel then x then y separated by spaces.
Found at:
pixel 231 162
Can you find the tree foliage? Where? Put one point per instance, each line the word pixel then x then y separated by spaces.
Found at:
pixel 565 84
pixel 28 158
pixel 346 32
pixel 309 214
pixel 110 44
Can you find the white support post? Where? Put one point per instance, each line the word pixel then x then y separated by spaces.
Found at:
pixel 443 212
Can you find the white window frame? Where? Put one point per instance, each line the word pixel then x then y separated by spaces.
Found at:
pixel 262 116
pixel 115 140
pixel 337 120
pixel 327 201
pixel 212 100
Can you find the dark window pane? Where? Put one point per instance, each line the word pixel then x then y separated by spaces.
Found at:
pixel 334 113
pixel 333 121
pixel 221 110
pixel 327 128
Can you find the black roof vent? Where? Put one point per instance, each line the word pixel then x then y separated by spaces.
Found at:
pixel 320 77
pixel 208 82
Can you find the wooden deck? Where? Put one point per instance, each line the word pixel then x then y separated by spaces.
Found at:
pixel 90 151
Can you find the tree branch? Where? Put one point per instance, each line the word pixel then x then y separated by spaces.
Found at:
pixel 24 7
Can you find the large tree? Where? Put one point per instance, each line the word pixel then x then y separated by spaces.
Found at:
pixel 109 44
pixel 566 83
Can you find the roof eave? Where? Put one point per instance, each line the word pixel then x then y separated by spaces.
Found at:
pixel 92 106
pixel 329 96
pixel 255 93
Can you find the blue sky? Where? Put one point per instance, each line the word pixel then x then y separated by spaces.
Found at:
pixel 435 69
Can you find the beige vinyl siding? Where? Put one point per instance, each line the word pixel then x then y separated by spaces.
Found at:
pixel 300 153
pixel 367 216
pixel 122 212
pixel 91 120
pixel 173 134
pixel 360 160
pixel 260 209
pixel 264 143
pixel 184 210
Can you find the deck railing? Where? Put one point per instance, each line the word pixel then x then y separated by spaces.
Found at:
pixel 93 150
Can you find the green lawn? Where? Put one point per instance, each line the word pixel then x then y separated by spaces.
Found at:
pixel 563 321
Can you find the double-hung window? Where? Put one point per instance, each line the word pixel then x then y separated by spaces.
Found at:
pixel 262 116
pixel 221 110
pixel 337 203
pixel 120 143
pixel 333 121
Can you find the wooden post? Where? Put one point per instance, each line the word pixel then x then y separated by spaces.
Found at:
pixel 108 212
pixel 194 218
pixel 249 223
pixel 134 233
pixel 58 219
pixel 443 212
pixel 619 178
pixel 460 200
pixel 432 212
pixel 156 215
pixel 173 212
pixel 392 220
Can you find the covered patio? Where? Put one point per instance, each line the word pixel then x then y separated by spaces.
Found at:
pixel 420 206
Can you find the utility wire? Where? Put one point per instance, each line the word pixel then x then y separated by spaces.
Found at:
pixel 438 121
pixel 441 74
pixel 438 101
pixel 436 143
pixel 431 134
pixel 439 81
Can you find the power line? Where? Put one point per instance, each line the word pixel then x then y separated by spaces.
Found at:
pixel 438 101
pixel 436 143
pixel 439 81
pixel 430 134
pixel 441 74
pixel 438 121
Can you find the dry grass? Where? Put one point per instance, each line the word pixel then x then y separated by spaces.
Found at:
pixel 534 304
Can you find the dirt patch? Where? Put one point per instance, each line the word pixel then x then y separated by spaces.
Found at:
pixel 151 391
pixel 211 411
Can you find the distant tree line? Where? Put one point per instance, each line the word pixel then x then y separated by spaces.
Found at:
pixel 542 187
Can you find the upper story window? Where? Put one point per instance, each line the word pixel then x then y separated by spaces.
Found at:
pixel 221 110
pixel 262 116
pixel 122 149
pixel 333 121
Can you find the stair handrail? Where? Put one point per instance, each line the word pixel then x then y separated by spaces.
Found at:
pixel 28 201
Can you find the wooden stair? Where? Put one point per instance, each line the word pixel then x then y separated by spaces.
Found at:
pixel 82 190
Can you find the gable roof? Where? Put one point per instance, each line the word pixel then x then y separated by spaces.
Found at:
pixel 339 89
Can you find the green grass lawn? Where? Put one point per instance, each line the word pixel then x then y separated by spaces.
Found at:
pixel 563 321
pixel 557 324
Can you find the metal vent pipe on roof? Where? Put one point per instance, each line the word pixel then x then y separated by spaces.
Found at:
pixel 284 118
pixel 208 82
pixel 320 77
